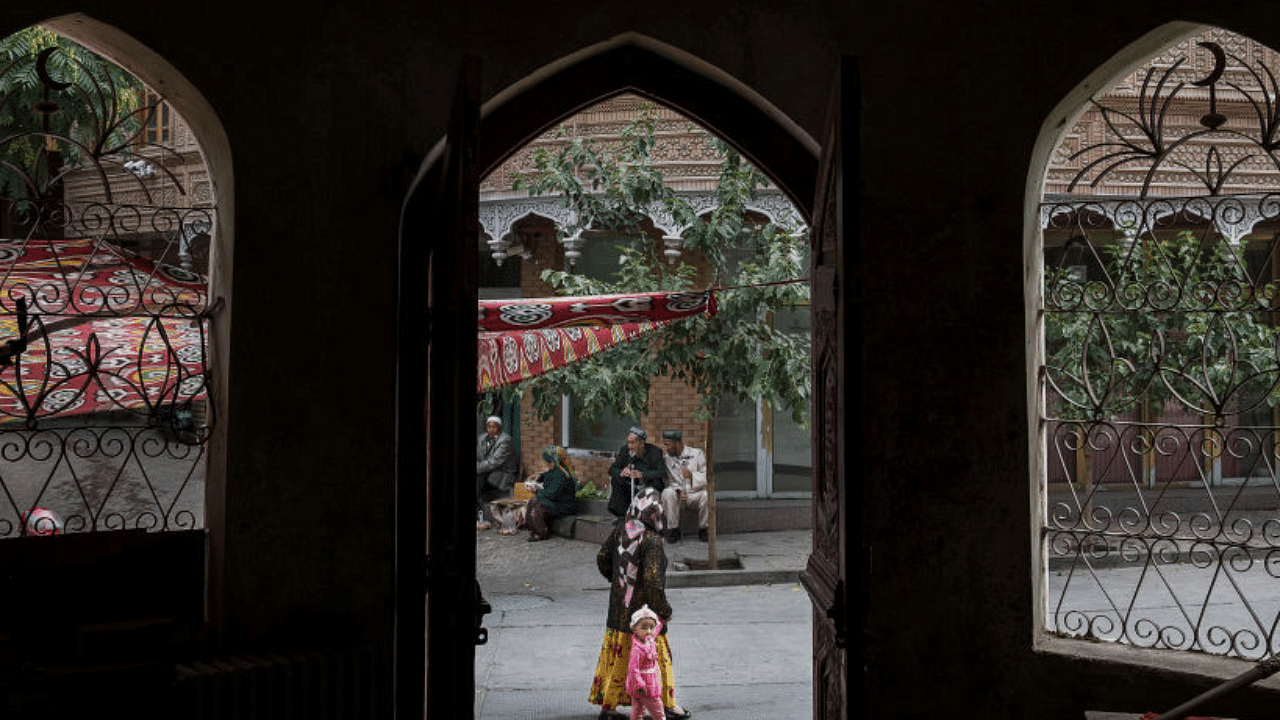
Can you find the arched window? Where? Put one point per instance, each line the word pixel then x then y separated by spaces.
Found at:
pixel 106 218
pixel 1159 371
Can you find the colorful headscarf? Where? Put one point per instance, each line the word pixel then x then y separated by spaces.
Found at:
pixel 645 513
pixel 556 454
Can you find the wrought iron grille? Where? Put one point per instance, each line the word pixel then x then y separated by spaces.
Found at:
pixel 103 305
pixel 1161 369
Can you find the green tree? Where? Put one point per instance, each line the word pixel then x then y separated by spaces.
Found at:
pixel 98 113
pixel 1178 319
pixel 739 353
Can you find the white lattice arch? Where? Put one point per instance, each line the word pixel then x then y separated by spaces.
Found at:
pixel 498 218
pixel 1233 216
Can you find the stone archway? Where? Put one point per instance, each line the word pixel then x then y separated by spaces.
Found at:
pixel 629 63
pixel 1184 472
pixel 158 74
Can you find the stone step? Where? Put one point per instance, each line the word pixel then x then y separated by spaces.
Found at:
pixel 594 522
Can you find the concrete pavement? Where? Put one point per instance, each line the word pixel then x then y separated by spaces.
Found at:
pixel 741 639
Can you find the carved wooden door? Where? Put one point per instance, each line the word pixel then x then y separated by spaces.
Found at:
pixel 436 358
pixel 836 372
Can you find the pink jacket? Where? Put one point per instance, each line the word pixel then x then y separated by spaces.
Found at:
pixel 642 666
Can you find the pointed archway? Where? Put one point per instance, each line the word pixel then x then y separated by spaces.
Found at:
pixel 628 63
pixel 1142 210
pixel 178 93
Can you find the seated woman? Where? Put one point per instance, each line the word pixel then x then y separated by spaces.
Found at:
pixel 554 493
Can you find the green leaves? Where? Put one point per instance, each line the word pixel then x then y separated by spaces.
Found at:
pixel 1177 319
pixel 740 353
pixel 99 112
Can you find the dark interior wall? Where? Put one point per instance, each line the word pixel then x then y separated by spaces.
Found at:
pixel 328 111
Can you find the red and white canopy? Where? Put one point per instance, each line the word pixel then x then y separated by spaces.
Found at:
pixel 525 337
pixel 109 329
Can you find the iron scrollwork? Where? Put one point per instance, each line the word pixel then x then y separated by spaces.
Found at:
pixel 104 389
pixel 1161 369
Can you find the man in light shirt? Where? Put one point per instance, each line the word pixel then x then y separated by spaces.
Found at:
pixel 686 483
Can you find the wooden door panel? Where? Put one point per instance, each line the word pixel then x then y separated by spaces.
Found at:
pixel 436 356
pixel 836 372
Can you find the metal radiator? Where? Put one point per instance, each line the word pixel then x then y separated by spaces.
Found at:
pixel 314 685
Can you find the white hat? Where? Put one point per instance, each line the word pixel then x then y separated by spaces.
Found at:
pixel 493 419
pixel 642 613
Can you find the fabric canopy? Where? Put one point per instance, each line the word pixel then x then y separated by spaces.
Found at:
pixel 109 329
pixel 523 338
pixel 595 310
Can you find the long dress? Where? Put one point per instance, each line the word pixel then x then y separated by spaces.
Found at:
pixel 647 587
pixel 555 500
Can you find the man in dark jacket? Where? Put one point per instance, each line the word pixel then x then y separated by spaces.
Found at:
pixel 637 461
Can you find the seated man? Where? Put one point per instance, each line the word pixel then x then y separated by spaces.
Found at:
pixel 496 466
pixel 637 463
pixel 686 483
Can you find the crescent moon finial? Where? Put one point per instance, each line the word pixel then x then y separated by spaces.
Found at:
pixel 1213 119
pixel 1219 63
pixel 42 70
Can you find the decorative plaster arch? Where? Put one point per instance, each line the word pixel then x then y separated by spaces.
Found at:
pixel 498 218
pixel 1232 216
pixel 158 74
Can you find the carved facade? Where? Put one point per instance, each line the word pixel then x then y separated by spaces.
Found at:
pixel 683 152
pixel 1226 160
pixel 515 225
pixel 157 190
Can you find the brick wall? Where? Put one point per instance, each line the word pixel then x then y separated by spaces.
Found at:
pixel 535 435
pixel 672 404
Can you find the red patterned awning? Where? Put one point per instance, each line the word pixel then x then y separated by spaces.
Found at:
pixel 109 329
pixel 523 338
pixel 592 310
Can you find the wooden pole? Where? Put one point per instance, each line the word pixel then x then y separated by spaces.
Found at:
pixel 713 560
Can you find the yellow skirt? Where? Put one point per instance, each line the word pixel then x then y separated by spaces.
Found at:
pixel 609 688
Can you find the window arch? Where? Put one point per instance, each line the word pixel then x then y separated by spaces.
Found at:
pixel 110 228
pixel 1156 367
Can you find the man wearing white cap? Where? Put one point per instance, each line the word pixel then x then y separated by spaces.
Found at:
pixel 496 465
pixel 686 483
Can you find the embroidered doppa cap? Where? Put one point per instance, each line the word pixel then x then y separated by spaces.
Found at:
pixel 493 419
pixel 672 434
pixel 638 432
pixel 642 613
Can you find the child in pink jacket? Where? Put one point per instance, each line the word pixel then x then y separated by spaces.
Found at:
pixel 644 684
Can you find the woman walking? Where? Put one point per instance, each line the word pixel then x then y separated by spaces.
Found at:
pixel 635 563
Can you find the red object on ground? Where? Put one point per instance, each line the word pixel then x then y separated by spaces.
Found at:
pixel 42 521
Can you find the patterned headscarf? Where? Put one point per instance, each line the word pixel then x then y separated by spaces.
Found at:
pixel 555 454
pixel 645 513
